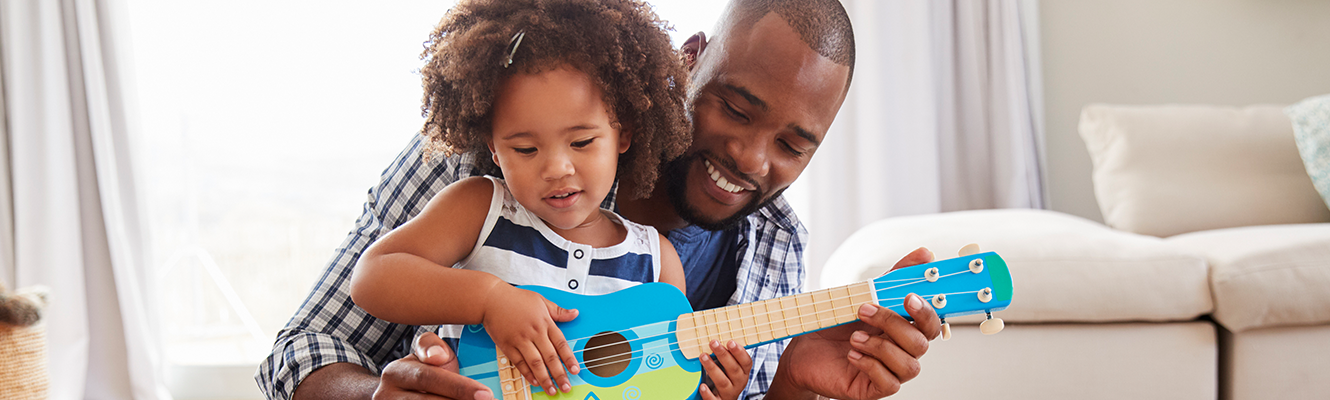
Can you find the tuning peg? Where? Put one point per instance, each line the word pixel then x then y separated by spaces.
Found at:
pixel 968 250
pixel 946 330
pixel 991 325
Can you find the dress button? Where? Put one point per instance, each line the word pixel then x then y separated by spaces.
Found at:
pixel 577 254
pixel 572 284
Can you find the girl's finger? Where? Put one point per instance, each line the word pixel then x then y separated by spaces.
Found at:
pixel 714 372
pixel 706 392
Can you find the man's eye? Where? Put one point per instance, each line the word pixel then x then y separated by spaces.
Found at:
pixel 583 143
pixel 525 150
pixel 733 112
pixel 791 149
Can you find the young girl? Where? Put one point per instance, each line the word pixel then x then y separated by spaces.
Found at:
pixel 558 97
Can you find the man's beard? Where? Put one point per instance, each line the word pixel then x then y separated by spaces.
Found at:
pixel 676 180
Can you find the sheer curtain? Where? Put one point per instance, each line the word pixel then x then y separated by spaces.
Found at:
pixel 944 114
pixel 74 209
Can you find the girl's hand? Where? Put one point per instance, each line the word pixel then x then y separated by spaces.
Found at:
pixel 521 323
pixel 731 381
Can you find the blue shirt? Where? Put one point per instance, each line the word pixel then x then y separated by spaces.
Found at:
pixel 709 265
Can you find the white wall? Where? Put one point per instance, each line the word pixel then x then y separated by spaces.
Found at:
pixel 1228 52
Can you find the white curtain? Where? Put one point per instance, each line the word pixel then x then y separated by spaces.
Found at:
pixel 944 114
pixel 75 215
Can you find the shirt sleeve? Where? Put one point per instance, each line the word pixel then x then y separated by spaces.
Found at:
pixel 329 328
pixel 771 266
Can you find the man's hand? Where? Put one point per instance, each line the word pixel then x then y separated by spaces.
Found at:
pixel 429 372
pixel 869 359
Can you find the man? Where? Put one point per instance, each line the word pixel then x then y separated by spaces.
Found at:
pixel 764 92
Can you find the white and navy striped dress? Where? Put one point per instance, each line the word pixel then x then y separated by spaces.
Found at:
pixel 519 248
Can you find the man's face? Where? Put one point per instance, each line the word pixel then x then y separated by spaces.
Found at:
pixel 761 102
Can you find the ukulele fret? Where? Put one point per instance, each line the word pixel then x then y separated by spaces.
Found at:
pixel 513 386
pixel 763 321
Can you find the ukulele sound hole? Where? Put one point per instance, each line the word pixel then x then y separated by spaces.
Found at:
pixel 607 354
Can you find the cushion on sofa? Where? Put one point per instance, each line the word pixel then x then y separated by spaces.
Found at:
pixel 1064 268
pixel 1311 131
pixel 1264 276
pixel 1171 169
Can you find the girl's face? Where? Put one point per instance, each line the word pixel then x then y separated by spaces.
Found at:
pixel 553 140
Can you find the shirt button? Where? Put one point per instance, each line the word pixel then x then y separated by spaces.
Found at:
pixel 577 254
pixel 572 284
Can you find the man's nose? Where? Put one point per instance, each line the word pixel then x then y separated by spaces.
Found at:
pixel 557 166
pixel 749 155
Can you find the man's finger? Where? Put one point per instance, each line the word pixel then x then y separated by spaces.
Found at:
pixel 901 332
pixel 414 376
pixel 410 396
pixel 901 364
pixel 919 256
pixel 432 350
pixel 925 317
pixel 876 372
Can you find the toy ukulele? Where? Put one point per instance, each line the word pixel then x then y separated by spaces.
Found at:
pixel 644 341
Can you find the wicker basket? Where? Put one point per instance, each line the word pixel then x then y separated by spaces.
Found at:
pixel 23 372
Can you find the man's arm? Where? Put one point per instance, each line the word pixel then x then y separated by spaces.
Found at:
pixel 430 368
pixel 338 381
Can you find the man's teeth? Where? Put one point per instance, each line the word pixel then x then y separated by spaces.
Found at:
pixel 720 181
pixel 562 195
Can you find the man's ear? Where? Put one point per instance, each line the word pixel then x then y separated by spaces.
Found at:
pixel 692 48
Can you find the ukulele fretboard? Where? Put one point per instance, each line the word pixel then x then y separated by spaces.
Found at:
pixel 763 321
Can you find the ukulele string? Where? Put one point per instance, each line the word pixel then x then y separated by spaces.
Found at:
pixel 609 360
pixel 596 363
pixel 730 332
pixel 909 281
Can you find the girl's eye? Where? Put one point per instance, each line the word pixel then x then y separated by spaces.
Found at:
pixel 525 150
pixel 583 143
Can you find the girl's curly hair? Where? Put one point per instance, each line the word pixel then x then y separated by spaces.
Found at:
pixel 620 44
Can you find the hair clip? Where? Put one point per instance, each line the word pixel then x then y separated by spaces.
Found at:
pixel 512 47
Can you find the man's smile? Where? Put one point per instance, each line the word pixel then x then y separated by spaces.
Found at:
pixel 720 180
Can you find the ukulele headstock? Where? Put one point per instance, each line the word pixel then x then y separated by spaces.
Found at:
pixel 971 283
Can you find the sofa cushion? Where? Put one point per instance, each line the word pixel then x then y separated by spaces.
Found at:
pixel 1265 276
pixel 1171 169
pixel 1311 131
pixel 1064 268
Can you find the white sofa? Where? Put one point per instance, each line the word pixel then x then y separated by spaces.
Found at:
pixel 1209 279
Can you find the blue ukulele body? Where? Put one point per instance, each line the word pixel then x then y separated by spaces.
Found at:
pixel 642 315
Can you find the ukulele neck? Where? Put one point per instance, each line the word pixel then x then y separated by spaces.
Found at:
pixel 751 324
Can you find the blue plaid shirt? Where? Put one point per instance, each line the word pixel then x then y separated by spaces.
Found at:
pixel 329 328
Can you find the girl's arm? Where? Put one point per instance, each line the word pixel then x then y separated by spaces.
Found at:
pixel 407 277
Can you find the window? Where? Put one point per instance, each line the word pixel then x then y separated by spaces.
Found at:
pixel 261 125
